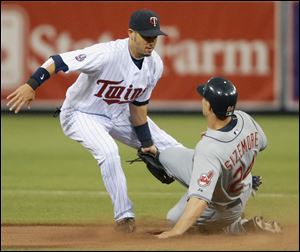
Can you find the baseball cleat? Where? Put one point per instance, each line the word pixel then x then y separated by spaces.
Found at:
pixel 258 224
pixel 126 225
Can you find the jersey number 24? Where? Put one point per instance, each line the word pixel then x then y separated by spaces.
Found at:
pixel 236 186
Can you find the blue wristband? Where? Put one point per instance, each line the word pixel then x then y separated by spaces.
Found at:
pixel 144 135
pixel 38 77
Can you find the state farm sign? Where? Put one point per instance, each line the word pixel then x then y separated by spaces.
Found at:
pixel 232 46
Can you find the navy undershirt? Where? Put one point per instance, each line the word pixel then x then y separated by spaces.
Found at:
pixel 230 125
pixel 138 62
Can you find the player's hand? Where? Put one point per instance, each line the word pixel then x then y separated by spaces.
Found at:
pixel 151 149
pixel 166 234
pixel 23 95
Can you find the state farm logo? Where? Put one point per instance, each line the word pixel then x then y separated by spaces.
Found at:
pixel 13 24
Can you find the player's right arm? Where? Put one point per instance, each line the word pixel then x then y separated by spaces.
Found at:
pixel 85 60
pixel 25 94
pixel 193 210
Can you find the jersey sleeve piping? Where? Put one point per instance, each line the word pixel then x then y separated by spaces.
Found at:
pixel 59 63
pixel 199 197
pixel 137 103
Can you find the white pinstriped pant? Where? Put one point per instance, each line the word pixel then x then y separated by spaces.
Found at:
pixel 97 133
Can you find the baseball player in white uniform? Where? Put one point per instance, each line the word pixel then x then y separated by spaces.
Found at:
pixel 109 101
pixel 218 172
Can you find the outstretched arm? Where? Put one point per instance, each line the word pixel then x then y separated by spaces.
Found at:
pixel 25 94
pixel 193 210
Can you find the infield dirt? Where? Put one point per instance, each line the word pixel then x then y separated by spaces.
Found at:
pixel 103 237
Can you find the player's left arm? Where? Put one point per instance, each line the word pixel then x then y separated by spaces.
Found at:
pixel 193 210
pixel 138 114
pixel 262 140
pixel 138 117
pixel 139 110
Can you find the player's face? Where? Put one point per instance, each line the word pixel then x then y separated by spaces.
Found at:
pixel 141 46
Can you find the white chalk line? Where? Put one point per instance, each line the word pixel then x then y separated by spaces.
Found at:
pixel 105 194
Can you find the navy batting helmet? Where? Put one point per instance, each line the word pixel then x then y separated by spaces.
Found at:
pixel 221 94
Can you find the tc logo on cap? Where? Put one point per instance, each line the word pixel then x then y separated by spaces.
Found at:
pixel 153 21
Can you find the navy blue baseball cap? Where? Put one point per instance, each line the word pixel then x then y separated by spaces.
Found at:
pixel 146 23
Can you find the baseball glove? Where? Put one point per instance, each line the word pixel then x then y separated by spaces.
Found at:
pixel 256 182
pixel 154 166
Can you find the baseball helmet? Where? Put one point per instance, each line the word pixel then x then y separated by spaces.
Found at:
pixel 221 94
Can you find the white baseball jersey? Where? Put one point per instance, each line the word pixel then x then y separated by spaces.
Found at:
pixel 223 161
pixel 109 79
pixel 96 113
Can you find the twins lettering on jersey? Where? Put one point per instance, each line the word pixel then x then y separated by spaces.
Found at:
pixel 248 143
pixel 112 92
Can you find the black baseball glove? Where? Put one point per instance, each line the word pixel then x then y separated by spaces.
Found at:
pixel 154 166
pixel 256 182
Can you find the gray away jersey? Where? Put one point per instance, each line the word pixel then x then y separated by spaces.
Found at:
pixel 223 161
